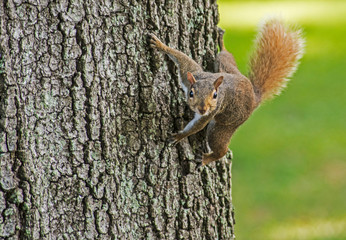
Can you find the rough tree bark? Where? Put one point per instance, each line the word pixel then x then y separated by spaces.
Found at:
pixel 85 110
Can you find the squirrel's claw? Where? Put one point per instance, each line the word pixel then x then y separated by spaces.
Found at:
pixel 172 141
pixel 174 138
pixel 199 165
pixel 221 31
pixel 199 162
pixel 230 154
pixel 153 40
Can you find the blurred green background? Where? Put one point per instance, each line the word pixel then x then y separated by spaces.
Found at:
pixel 289 168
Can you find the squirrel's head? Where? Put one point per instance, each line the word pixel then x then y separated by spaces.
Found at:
pixel 203 95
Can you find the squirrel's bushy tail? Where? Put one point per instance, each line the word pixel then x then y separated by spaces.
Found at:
pixel 277 52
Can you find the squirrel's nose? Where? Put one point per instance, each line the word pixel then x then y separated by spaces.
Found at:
pixel 202 110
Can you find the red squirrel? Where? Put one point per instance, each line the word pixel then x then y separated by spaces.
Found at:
pixel 225 99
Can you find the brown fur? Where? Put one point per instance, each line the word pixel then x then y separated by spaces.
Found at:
pixel 226 99
pixel 278 50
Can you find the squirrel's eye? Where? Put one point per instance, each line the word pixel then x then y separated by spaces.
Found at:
pixel 215 95
pixel 191 94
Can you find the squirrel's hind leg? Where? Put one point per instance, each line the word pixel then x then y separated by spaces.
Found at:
pixel 225 61
pixel 218 137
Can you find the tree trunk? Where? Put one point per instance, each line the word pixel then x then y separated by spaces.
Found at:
pixel 85 110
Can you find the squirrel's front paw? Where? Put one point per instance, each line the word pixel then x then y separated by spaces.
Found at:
pixel 155 42
pixel 174 138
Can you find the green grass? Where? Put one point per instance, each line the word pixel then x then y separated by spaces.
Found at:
pixel 289 167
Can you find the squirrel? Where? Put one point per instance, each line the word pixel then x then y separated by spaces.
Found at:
pixel 225 99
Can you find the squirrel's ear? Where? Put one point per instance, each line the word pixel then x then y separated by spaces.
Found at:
pixel 218 82
pixel 190 78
